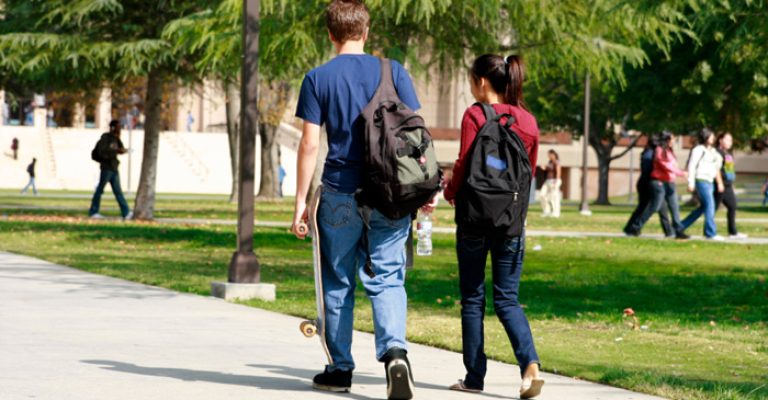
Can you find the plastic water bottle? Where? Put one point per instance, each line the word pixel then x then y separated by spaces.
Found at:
pixel 424 231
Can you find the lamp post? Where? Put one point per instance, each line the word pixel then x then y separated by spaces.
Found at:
pixel 584 208
pixel 244 278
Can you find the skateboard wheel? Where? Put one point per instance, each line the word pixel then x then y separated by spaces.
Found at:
pixel 308 328
pixel 303 229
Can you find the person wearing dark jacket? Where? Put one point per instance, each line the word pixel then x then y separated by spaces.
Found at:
pixel 31 172
pixel 107 149
pixel 645 193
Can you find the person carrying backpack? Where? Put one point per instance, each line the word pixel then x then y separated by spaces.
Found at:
pixel 490 188
pixel 31 183
pixel 354 95
pixel 105 153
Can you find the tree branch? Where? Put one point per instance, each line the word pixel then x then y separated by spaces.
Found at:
pixel 631 146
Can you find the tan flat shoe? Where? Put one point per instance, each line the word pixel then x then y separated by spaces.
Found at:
pixel 461 387
pixel 531 388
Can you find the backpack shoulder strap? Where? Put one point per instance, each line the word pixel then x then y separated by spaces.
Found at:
pixel 386 89
pixel 488 110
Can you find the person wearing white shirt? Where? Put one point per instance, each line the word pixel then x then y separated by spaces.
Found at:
pixel 703 173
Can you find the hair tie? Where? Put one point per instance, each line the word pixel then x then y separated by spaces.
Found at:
pixel 506 59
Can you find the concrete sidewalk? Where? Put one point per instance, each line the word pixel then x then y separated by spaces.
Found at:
pixel 71 335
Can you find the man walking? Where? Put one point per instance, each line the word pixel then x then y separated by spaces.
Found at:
pixel 334 94
pixel 105 153
pixel 31 172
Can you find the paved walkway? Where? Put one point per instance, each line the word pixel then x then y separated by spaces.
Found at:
pixel 71 335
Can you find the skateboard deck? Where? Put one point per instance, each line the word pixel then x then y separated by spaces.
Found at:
pixel 316 326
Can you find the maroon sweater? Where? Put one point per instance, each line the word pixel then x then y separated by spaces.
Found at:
pixel 525 126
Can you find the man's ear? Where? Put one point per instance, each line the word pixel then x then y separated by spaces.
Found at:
pixel 365 35
pixel 331 38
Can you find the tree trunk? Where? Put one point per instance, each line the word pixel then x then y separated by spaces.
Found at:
pixel 233 133
pixel 145 195
pixel 269 164
pixel 603 151
pixel 603 168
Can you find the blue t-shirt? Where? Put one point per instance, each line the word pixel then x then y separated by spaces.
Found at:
pixel 334 94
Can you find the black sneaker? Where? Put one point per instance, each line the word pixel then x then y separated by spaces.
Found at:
pixel 335 381
pixel 399 374
pixel 682 236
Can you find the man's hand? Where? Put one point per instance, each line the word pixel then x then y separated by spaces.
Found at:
pixel 299 227
pixel 429 207
pixel 691 189
pixel 720 188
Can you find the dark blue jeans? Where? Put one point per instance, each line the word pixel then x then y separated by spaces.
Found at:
pixel 507 265
pixel 662 192
pixel 113 178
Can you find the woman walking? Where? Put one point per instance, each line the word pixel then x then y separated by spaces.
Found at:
pixel 728 174
pixel 703 169
pixel 645 193
pixel 550 192
pixel 497 82
pixel 665 171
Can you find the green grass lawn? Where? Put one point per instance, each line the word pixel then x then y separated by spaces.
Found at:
pixel 754 219
pixel 704 305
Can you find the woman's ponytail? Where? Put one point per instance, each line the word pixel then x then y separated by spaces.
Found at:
pixel 515 78
pixel 506 76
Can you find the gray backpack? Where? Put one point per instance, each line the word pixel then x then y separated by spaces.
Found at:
pixel 401 172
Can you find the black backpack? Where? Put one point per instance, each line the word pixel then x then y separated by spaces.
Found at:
pixel 495 193
pixel 401 170
pixel 98 153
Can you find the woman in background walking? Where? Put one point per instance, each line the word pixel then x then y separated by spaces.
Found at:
pixel 703 170
pixel 645 192
pixel 728 174
pixel 550 192
pixel 665 171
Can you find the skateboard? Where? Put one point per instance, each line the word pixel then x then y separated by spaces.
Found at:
pixel 316 326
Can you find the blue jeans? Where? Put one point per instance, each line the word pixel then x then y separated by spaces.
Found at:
pixel 507 265
pixel 113 178
pixel 661 192
pixel 705 190
pixel 343 256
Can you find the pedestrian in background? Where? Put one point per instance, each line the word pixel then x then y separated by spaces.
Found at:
pixel 550 192
pixel 663 175
pixel 728 174
pixel 105 153
pixel 15 148
pixel 31 183
pixel 645 193
pixel 704 178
